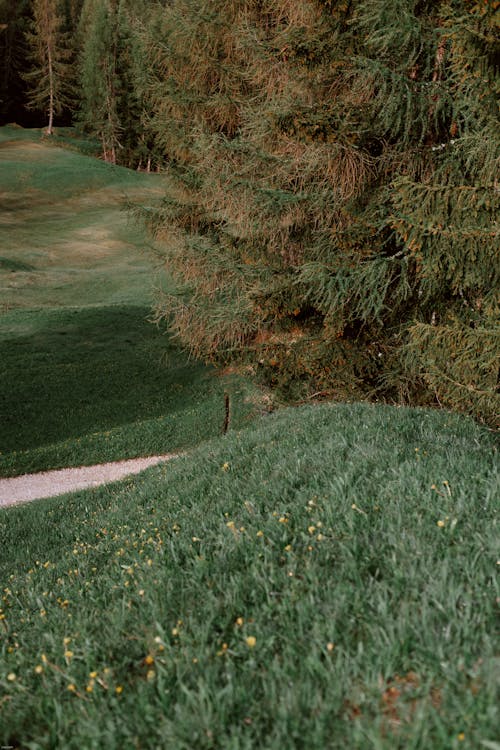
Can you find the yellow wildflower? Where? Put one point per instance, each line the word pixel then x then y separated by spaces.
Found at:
pixel 11 677
pixel 118 689
pixel 38 669
pixel 149 659
pixel 251 640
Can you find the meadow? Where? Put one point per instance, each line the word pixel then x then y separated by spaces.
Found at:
pixel 84 376
pixel 325 577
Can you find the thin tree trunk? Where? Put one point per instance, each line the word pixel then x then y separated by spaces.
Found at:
pixel 51 92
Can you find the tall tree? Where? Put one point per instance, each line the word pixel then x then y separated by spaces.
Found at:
pixel 99 75
pixel 49 79
pixel 14 17
pixel 334 213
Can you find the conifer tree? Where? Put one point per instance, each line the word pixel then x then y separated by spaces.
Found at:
pixel 99 75
pixel 13 24
pixel 334 213
pixel 49 78
pixel 111 101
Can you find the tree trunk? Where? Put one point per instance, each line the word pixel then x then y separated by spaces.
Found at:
pixel 50 126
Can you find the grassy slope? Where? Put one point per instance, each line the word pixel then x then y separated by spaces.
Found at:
pixel 83 375
pixel 356 544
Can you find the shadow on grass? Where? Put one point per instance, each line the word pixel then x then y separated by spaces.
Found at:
pixel 73 372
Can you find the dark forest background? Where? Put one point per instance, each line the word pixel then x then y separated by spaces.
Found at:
pixel 333 220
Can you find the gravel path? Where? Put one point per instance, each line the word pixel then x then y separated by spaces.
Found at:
pixel 50 483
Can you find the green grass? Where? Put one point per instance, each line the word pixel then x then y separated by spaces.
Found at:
pixel 372 529
pixel 84 377
pixel 66 238
pixel 86 385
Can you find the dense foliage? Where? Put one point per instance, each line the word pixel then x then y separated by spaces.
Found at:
pixel 334 216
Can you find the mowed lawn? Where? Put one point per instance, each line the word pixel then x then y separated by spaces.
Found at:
pixel 84 375
pixel 323 579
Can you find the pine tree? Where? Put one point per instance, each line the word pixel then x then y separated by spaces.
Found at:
pixel 13 22
pixel 49 79
pixel 334 217
pixel 99 76
pixel 111 72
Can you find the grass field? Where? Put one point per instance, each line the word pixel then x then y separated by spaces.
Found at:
pixel 323 579
pixel 84 377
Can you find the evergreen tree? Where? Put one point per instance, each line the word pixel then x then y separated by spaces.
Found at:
pixel 14 16
pixel 334 215
pixel 49 79
pixel 111 102
pixel 99 76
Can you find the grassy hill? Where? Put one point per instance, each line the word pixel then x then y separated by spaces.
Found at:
pixel 84 377
pixel 324 579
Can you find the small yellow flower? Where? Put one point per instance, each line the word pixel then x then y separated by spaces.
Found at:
pixel 93 675
pixel 141 592
pixel 461 737
pixel 283 519
pixel 230 524
pixel 66 641
pixel 71 687
pixel 68 654
pixel 151 674
pixel 260 533
pixel 90 687
pixel 225 466
pixel 251 641
pixel 175 632
pixel 311 529
pixel 440 524
pixel 330 646
pixel 149 659
pixel 239 621
pixel 118 689
pixel 38 669
pixel 11 677
pixel 44 658
pixel 288 548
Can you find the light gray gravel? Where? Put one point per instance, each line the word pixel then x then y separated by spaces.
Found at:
pixel 29 487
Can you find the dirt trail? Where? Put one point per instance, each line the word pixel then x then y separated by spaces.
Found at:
pixel 29 487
